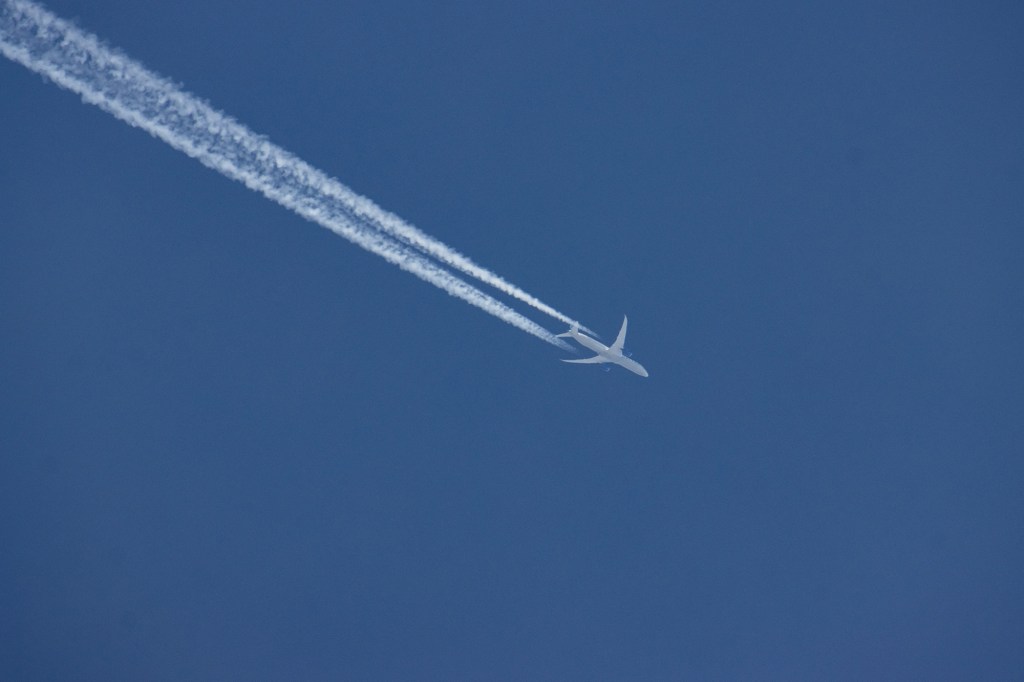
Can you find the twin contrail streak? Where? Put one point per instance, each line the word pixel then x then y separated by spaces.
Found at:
pixel 78 61
pixel 395 226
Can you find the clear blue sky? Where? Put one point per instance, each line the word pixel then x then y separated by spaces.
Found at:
pixel 235 446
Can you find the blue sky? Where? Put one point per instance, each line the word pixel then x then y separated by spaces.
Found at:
pixel 236 446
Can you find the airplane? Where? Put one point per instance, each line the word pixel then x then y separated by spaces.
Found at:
pixel 605 353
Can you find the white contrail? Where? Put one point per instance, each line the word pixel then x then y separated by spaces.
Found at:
pixel 388 222
pixel 78 61
pixel 385 221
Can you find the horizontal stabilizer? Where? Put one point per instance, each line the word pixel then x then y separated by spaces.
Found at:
pixel 572 331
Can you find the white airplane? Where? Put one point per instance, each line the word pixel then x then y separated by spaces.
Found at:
pixel 605 353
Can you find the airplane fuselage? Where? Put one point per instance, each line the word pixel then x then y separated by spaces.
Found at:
pixel 608 354
pixel 592 344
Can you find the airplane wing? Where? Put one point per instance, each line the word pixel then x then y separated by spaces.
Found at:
pixel 620 340
pixel 595 359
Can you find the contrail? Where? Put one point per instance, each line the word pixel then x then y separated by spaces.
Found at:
pixel 402 230
pixel 395 226
pixel 79 62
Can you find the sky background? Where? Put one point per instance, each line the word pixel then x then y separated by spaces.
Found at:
pixel 235 446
